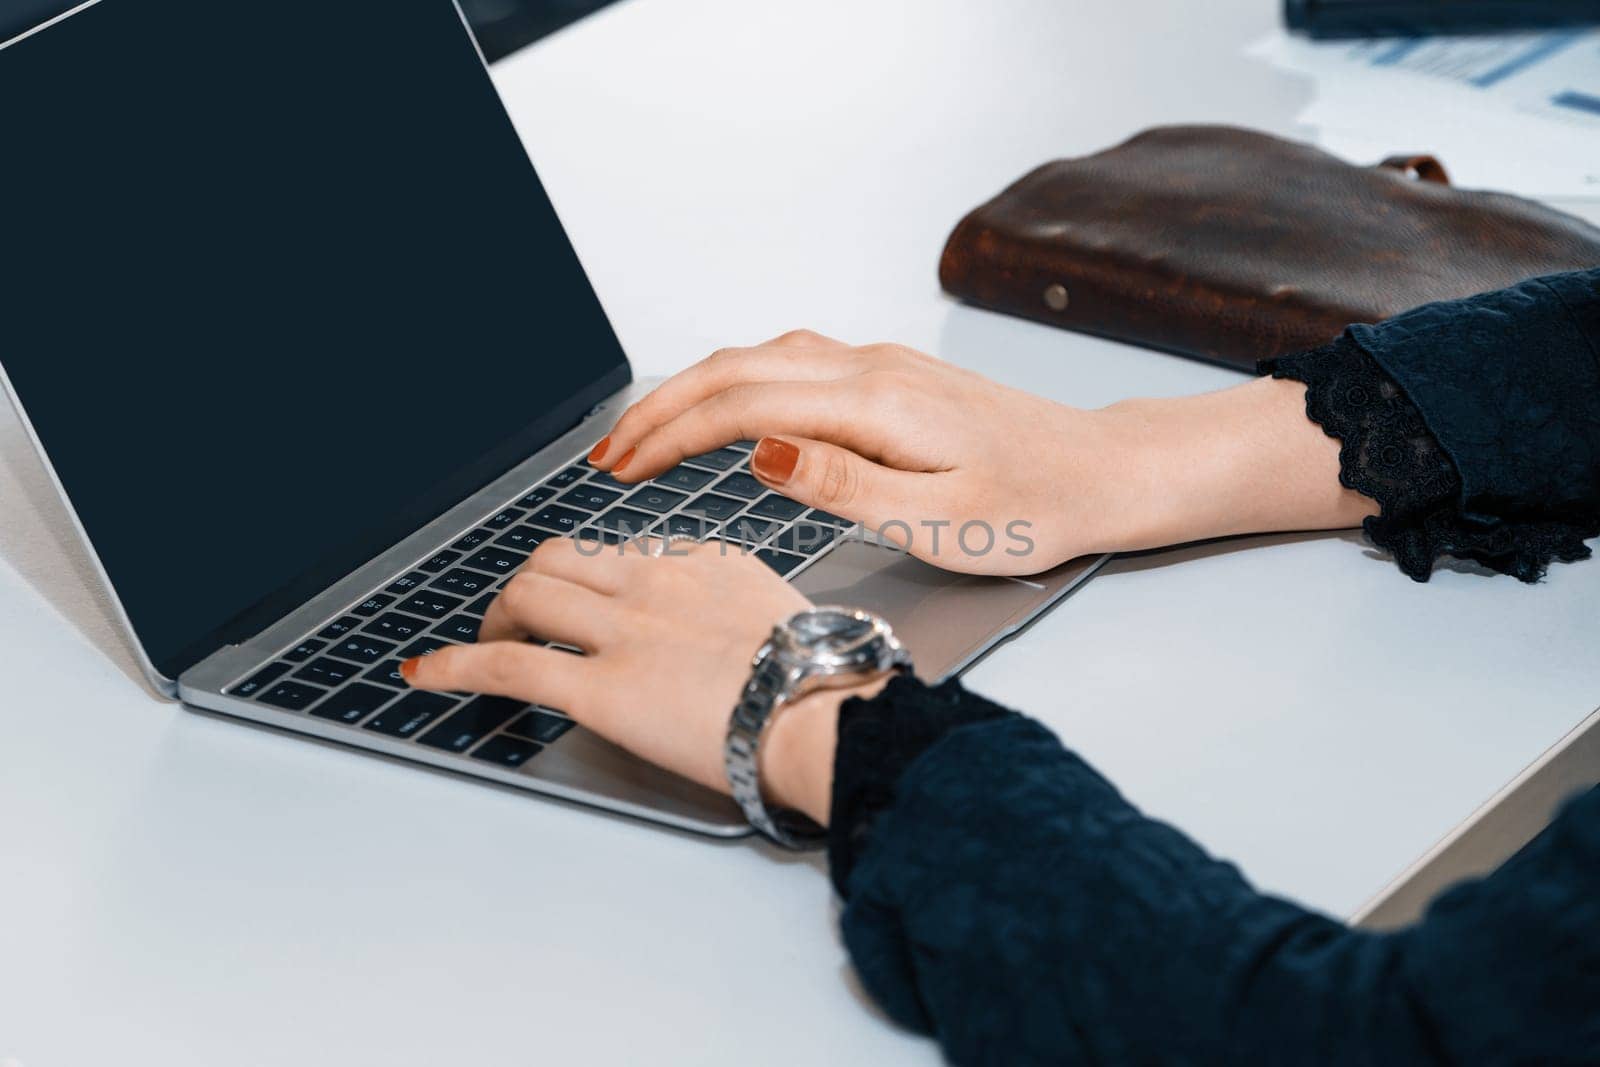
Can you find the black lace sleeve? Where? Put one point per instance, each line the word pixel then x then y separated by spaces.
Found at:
pixel 1388 455
pixel 878 740
pixel 1472 424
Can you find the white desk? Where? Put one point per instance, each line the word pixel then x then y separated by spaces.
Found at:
pixel 176 889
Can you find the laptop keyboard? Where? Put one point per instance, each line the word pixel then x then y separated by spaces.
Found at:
pixel 348 671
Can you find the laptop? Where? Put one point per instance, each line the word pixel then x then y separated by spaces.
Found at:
pixel 301 340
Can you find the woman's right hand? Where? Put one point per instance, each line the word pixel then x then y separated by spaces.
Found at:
pixel 976 476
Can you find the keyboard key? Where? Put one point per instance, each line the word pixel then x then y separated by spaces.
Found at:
pixel 414 580
pixel 500 520
pixel 537 497
pixel 328 672
pixel 497 560
pixel 410 713
pixel 431 604
pixel 339 628
pixel 439 561
pixel 260 680
pixel 782 562
pixel 688 526
pixel 291 696
pixel 463 582
pixel 606 480
pixel 656 499
pixel 748 530
pixel 714 507
pixel 570 476
pixel 720 460
pixel 742 485
pixel 360 648
pixel 507 751
pixel 605 537
pixel 373 604
pixel 625 521
pixel 778 507
pixel 463 628
pixel 477 537
pixel 744 446
pixel 423 646
pixel 352 704
pixel 524 538
pixel 818 515
pixel 807 538
pixel 590 497
pixel 477 720
pixel 304 651
pixel 387 673
pixel 396 627
pixel 685 478
pixel 560 519
pixel 481 605
pixel 540 726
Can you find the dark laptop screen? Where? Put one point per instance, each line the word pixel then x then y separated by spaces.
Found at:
pixel 279 284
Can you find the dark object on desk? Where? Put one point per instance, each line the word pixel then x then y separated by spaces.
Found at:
pixel 1413 18
pixel 503 26
pixel 1234 246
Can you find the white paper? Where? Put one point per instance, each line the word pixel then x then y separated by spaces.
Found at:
pixel 1516 112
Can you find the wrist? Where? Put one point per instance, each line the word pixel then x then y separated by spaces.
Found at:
pixel 1183 470
pixel 798 750
pixel 1242 460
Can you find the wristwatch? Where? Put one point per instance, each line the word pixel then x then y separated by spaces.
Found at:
pixel 825 648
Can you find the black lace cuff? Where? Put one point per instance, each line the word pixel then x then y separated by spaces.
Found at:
pixel 1388 454
pixel 878 740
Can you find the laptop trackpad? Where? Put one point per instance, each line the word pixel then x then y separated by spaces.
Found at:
pixel 944 619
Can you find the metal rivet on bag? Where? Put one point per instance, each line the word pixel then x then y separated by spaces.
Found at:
pixel 1056 297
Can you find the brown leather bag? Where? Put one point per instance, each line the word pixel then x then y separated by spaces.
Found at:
pixel 1234 246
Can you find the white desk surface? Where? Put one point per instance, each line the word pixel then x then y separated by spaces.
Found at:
pixel 176 889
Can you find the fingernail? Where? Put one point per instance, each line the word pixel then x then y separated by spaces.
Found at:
pixel 408 669
pixel 599 452
pixel 627 457
pixel 774 460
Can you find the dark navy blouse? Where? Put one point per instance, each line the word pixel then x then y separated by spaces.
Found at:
pixel 1001 896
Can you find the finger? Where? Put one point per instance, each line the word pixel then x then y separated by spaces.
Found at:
pixel 592 564
pixel 837 480
pixel 507 669
pixel 539 606
pixel 834 411
pixel 721 370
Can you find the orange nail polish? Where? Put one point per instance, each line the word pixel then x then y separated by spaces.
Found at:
pixel 775 460
pixel 599 451
pixel 408 669
pixel 627 457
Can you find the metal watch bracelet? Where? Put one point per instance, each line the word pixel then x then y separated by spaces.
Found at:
pixel 777 678
pixel 763 694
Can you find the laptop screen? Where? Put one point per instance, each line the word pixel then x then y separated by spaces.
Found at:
pixel 278 284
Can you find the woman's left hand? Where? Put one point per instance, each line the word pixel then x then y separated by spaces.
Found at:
pixel 667 644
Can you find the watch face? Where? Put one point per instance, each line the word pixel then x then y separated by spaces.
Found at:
pixel 831 632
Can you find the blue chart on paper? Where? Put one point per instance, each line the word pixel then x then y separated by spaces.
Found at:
pixel 1577 101
pixel 1515 112
pixel 1556 74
